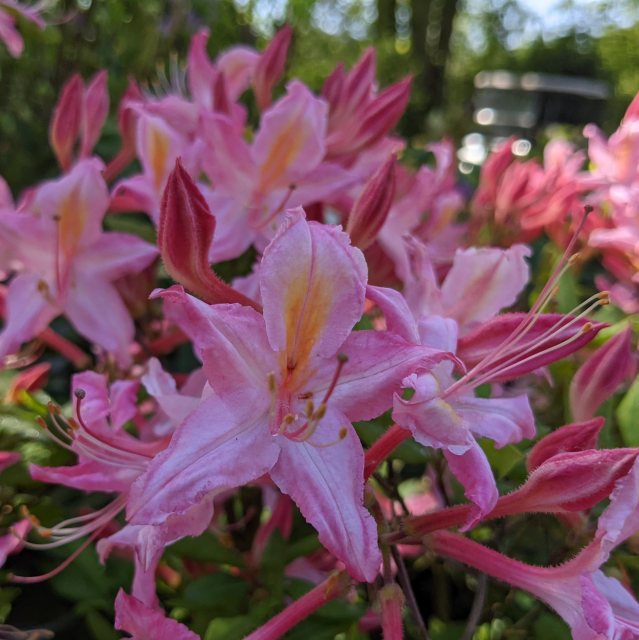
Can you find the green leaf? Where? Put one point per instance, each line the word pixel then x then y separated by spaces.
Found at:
pixel 100 627
pixel 220 594
pixel 627 413
pixel 501 460
pixel 548 626
pixel 207 548
pixel 229 628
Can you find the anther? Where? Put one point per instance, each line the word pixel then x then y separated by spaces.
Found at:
pixel 310 408
pixel 80 394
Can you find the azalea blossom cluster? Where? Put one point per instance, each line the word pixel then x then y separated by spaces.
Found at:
pixel 367 301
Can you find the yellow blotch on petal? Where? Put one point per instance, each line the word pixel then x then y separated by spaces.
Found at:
pixel 282 154
pixel 158 146
pixel 306 310
pixel 72 218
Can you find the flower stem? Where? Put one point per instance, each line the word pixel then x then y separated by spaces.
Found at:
pixel 334 586
pixel 383 448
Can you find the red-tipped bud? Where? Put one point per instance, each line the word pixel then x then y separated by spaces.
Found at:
pixel 570 481
pixel 67 119
pixel 384 112
pixel 128 116
pixel 579 436
pixel 185 235
pixel 601 375
pixel 30 379
pixel 371 208
pixel 270 67
pixel 391 599
pixel 94 112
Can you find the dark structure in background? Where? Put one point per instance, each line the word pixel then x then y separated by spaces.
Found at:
pixel 520 105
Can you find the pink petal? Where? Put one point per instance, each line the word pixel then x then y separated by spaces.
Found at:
pixel 313 285
pixel 238 64
pixel 503 420
pixel 95 111
pixel 28 312
pixel 10 35
pixel 432 421
pixel 12 542
pixel 500 274
pixel 115 255
pixel 399 318
pixel 85 308
pixel 227 158
pixel 78 201
pixel 201 71
pixel 146 623
pixel 232 342
pixel 217 447
pixel 601 375
pixel 290 141
pixel 327 484
pixel 158 146
pixel 473 471
pixel 87 476
pixel 377 363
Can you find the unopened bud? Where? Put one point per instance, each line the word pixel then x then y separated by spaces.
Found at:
pixel 66 121
pixel 270 67
pixel 571 481
pixel 95 109
pixel 371 208
pixel 579 436
pixel 185 235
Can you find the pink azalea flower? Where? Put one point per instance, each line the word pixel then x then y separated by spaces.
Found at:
pixel 444 412
pixel 110 460
pixel 284 167
pixel 67 265
pixel 283 399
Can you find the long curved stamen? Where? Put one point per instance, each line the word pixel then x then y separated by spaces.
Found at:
pixel 533 347
pixel 546 294
pixel 62 534
pixel 61 567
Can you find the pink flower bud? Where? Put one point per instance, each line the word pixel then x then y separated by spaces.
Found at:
pixel 384 112
pixel 67 119
pixel 601 375
pixel 371 208
pixel 571 481
pixel 94 112
pixel 571 437
pixel 184 237
pixel 270 67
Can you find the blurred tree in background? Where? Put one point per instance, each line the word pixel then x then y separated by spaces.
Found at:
pixel 442 43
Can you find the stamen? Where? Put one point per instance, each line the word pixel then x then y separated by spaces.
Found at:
pixel 61 567
pixel 342 359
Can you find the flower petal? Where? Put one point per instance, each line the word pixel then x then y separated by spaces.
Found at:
pixel 219 446
pixel 327 484
pixel 313 285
